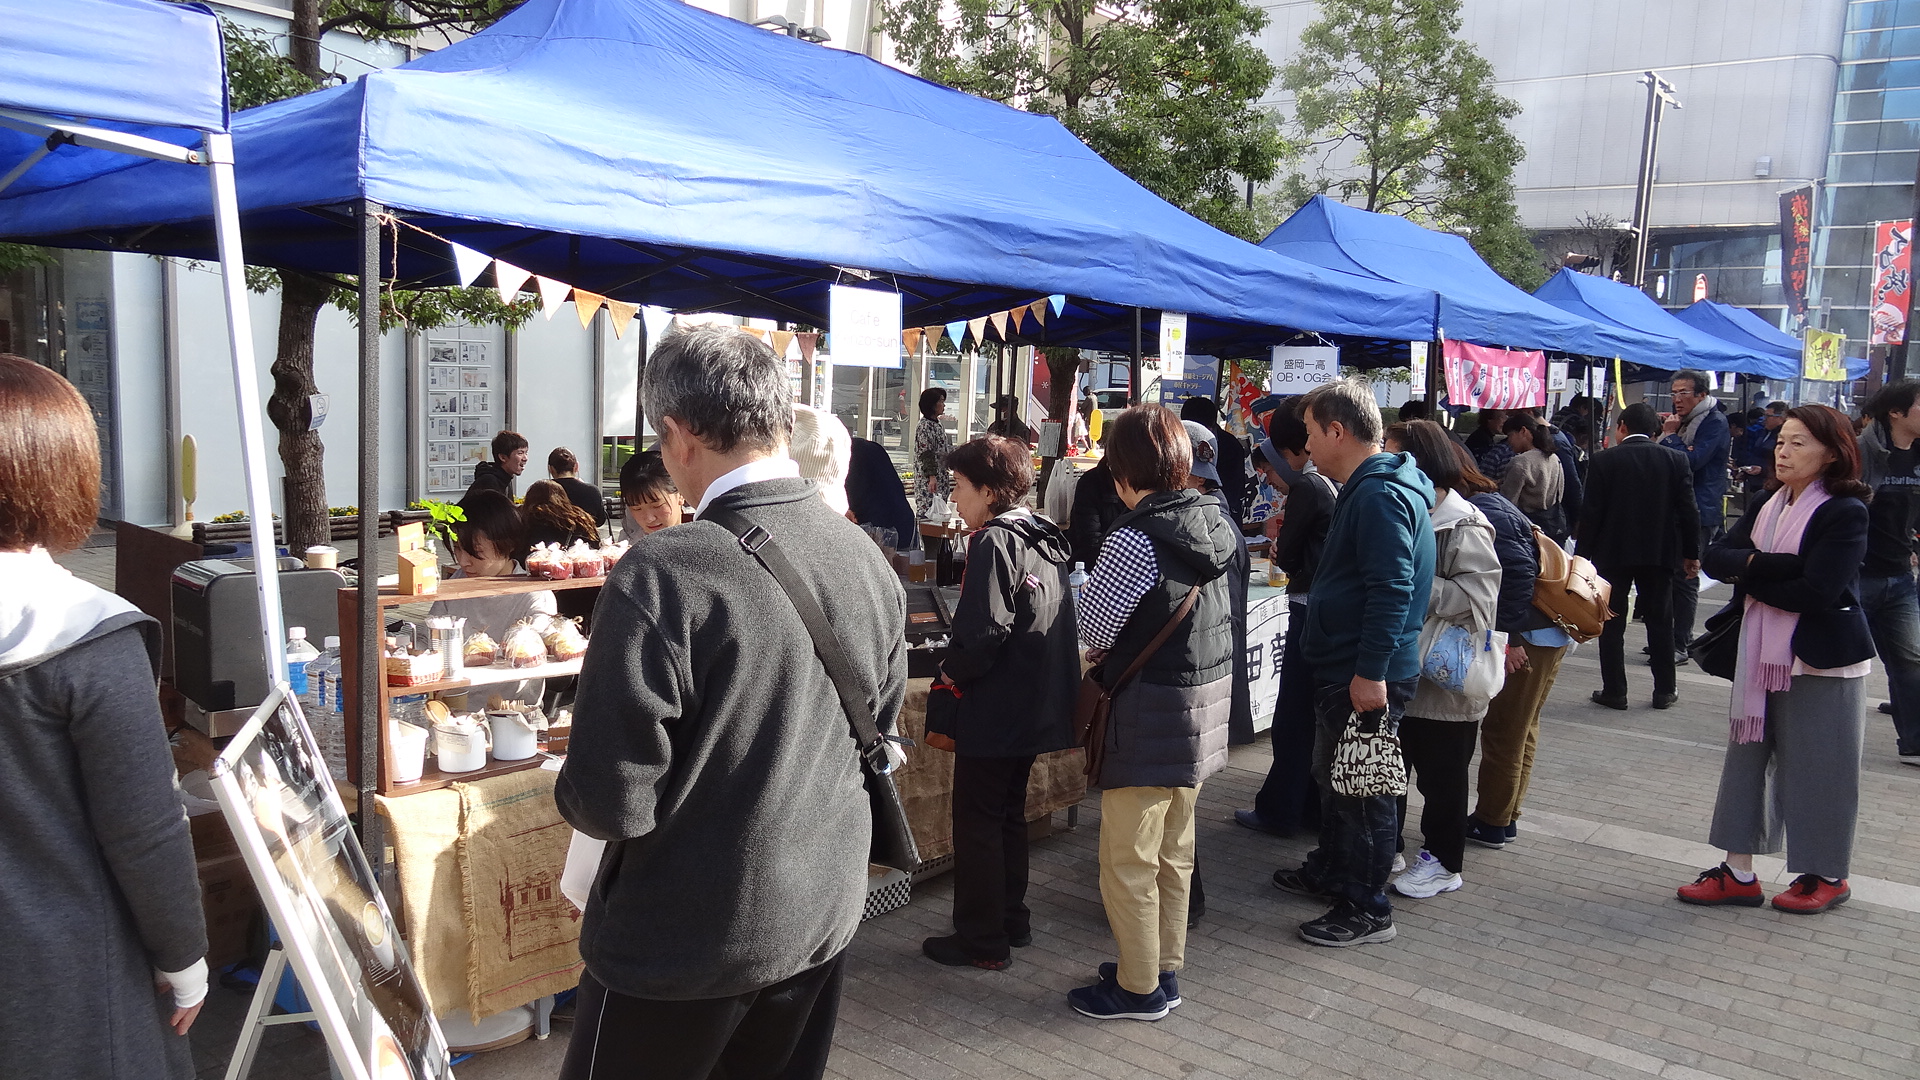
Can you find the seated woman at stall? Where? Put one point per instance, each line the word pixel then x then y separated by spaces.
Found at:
pixel 489 543
pixel 552 518
pixel 649 494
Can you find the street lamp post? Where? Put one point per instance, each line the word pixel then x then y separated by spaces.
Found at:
pixel 1660 94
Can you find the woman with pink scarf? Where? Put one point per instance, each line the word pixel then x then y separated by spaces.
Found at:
pixel 1798 708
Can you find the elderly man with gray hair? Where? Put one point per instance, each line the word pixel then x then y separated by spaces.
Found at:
pixel 711 750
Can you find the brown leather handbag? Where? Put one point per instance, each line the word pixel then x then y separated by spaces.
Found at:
pixel 1091 709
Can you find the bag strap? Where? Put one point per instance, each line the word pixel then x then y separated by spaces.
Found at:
pixel 759 543
pixel 1159 639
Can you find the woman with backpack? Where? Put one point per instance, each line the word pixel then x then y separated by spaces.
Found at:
pixel 1014 668
pixel 1458 675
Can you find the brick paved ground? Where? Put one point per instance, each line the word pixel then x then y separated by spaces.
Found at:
pixel 1564 956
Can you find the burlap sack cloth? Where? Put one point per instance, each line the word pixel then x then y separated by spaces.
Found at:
pixel 926 780
pixel 479 867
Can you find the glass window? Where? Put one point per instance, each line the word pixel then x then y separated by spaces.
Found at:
pixel 1846 246
pixel 1851 168
pixel 1897 104
pixel 1870 15
pixel 1862 106
pixel 1895 168
pixel 1871 46
pixel 1856 138
pixel 1860 205
pixel 1879 75
pixel 1907 14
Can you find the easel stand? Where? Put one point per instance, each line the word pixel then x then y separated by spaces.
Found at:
pixel 258 1020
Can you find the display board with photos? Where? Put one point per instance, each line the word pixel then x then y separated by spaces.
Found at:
pixel 462 395
pixel 320 892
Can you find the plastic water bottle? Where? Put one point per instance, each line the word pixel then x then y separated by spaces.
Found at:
pixel 1077 580
pixel 319 695
pixel 326 716
pixel 300 653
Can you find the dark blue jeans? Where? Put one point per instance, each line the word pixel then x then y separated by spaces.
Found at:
pixel 1893 615
pixel 1289 800
pixel 1357 836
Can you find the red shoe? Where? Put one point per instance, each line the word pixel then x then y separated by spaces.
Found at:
pixel 1811 894
pixel 1719 886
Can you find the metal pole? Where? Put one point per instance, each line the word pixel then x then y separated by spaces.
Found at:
pixel 371 639
pixel 246 393
pixel 639 379
pixel 1659 95
pixel 1897 355
pixel 1133 369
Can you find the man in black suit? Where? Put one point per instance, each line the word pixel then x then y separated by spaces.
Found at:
pixel 1641 528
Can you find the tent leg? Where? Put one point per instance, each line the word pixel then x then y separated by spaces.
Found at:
pixel 1435 358
pixel 370 683
pixel 246 392
pixel 639 379
pixel 1133 375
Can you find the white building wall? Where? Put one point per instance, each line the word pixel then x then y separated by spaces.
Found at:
pixel 553 402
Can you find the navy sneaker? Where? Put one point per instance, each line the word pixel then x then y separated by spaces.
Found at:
pixel 1347 923
pixel 1169 982
pixel 1489 836
pixel 1111 1001
pixel 1513 830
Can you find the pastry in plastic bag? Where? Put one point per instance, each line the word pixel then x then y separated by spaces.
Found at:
pixel 524 647
pixel 587 562
pixel 481 650
pixel 564 640
pixel 548 563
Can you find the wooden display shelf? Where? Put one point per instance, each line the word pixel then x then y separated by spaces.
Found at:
pixel 432 779
pixel 449 589
pixel 494 675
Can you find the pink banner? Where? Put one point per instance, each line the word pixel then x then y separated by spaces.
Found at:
pixel 1483 378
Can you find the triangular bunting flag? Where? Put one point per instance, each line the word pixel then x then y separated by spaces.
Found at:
pixel 468 263
pixel 621 314
pixel 1039 309
pixel 957 330
pixel 756 332
pixel 934 334
pixel 509 279
pixel 586 304
pixel 979 329
pixel 1059 302
pixel 552 294
pixel 910 339
pixel 658 320
pixel 807 340
pixel 1019 318
pixel 999 321
pixel 781 340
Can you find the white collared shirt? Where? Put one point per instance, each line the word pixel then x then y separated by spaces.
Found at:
pixel 767 468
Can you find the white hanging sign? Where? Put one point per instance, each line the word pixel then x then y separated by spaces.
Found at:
pixel 1299 368
pixel 1556 376
pixel 865 325
pixel 1417 354
pixel 1173 345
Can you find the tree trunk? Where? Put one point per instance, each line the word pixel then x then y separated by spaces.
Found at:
pixel 1063 369
pixel 302 455
pixel 303 38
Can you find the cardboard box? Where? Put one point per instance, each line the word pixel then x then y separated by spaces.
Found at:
pixel 419 573
pixel 212 838
pixel 231 905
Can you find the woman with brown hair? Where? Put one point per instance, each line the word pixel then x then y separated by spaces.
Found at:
pixel 1799 684
pixel 553 518
pixel 1015 664
pixel 1534 480
pixel 1168 729
pixel 104 955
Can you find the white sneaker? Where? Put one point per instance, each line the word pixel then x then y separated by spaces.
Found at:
pixel 1399 862
pixel 1427 877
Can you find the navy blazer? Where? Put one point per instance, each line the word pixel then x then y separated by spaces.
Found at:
pixel 1821 583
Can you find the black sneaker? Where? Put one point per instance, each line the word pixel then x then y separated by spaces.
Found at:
pixel 1299 883
pixel 1347 924
pixel 1487 836
pixel 949 951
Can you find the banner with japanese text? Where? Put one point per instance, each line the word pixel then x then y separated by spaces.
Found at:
pixel 1796 248
pixel 1892 282
pixel 1486 378
pixel 1825 356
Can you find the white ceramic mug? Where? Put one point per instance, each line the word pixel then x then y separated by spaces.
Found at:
pixel 409 750
pixel 323 557
pixel 513 738
pixel 460 751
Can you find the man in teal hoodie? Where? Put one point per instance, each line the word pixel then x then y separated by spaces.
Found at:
pixel 1361 640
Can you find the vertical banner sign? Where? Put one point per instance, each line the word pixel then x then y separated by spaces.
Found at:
pixel 1825 356
pixel 1202 379
pixel 1796 248
pixel 1892 282
pixel 866 327
pixel 1173 345
pixel 1299 368
pixel 1417 357
pixel 1483 378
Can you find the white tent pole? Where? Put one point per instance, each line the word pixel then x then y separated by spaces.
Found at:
pixel 246 392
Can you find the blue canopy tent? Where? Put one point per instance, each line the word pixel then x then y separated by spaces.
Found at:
pixel 1750 331
pixel 1599 299
pixel 1475 303
pixel 654 152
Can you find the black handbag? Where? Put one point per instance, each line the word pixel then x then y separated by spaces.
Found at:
pixel 893 844
pixel 1717 648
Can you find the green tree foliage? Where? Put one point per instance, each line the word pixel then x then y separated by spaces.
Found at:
pixel 1165 90
pixel 1394 112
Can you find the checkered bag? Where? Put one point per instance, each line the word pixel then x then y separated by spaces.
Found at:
pixel 1367 760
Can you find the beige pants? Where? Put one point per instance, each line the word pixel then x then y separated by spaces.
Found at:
pixel 1146 861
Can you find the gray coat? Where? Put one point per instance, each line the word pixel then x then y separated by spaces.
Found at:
pixel 710 750
pixel 97 879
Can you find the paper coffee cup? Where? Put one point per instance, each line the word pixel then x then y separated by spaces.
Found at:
pixel 323 557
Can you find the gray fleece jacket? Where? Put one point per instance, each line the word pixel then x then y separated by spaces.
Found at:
pixel 711 751
pixel 97 879
pixel 1466 592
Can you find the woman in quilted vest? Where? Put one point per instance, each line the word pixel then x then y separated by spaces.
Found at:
pixel 1462 662
pixel 1168 728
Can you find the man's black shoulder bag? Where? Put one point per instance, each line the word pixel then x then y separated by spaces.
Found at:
pixel 892 839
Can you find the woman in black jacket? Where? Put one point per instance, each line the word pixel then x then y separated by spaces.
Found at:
pixel 1799 685
pixel 1015 662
